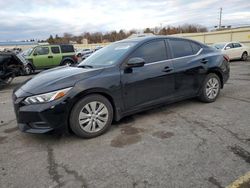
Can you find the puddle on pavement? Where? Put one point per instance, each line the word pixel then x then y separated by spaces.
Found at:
pixel 129 135
pixel 10 130
pixel 2 138
pixel 129 130
pixel 125 140
pixel 163 134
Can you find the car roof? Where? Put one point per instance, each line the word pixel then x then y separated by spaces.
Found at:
pixel 54 45
pixel 148 38
pixel 224 43
pixel 227 42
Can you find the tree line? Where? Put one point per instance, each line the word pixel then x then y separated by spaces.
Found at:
pixel 112 36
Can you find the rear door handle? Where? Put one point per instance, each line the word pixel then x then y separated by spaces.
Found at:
pixel 50 56
pixel 204 61
pixel 167 69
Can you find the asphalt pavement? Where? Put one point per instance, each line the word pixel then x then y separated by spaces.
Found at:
pixel 186 144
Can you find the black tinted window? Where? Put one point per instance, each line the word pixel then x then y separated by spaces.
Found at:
pixel 237 45
pixel 196 47
pixel 55 50
pixel 67 48
pixel 152 51
pixel 181 48
pixel 41 51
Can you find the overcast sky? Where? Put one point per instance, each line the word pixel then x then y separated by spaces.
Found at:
pixel 26 19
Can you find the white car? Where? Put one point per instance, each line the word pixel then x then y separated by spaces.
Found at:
pixel 234 50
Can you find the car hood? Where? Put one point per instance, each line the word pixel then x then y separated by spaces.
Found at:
pixel 57 78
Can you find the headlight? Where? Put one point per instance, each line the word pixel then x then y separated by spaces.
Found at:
pixel 46 97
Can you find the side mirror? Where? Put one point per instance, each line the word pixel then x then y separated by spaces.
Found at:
pixel 135 62
pixel 34 54
pixel 227 48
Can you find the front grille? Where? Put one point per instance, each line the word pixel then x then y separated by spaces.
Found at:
pixel 39 125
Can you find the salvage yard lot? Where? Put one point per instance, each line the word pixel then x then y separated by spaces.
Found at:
pixel 186 144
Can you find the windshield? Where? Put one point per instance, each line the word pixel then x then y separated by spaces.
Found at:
pixel 27 52
pixel 108 55
pixel 219 46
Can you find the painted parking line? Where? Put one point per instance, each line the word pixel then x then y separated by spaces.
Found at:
pixel 242 182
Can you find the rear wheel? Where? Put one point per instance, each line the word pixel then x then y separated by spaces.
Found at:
pixel 91 116
pixel 211 88
pixel 67 62
pixel 244 56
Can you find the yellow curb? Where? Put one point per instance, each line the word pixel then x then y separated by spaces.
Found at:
pixel 242 182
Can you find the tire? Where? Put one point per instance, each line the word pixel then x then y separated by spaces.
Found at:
pixel 67 62
pixel 84 123
pixel 29 70
pixel 210 89
pixel 244 56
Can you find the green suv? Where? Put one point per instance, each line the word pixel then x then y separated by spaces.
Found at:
pixel 48 56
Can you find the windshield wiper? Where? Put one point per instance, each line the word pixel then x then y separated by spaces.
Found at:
pixel 85 66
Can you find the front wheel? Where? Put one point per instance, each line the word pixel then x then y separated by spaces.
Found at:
pixel 91 116
pixel 211 88
pixel 28 70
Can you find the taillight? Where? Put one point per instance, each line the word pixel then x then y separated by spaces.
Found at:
pixel 226 58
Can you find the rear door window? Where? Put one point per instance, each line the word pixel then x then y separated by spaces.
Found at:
pixel 55 49
pixel 67 48
pixel 181 48
pixel 152 51
pixel 236 45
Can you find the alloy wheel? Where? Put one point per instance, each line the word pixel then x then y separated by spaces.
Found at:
pixel 212 88
pixel 93 117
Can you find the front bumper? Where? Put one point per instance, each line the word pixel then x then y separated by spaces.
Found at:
pixel 41 118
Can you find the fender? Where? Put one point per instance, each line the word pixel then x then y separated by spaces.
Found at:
pixel 67 58
pixel 102 91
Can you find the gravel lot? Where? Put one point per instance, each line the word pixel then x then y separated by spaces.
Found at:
pixel 186 144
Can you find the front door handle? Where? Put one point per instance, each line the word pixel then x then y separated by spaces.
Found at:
pixel 50 56
pixel 204 61
pixel 167 69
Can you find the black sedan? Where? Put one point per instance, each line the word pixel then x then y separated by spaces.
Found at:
pixel 118 80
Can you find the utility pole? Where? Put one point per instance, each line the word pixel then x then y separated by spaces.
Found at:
pixel 220 18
